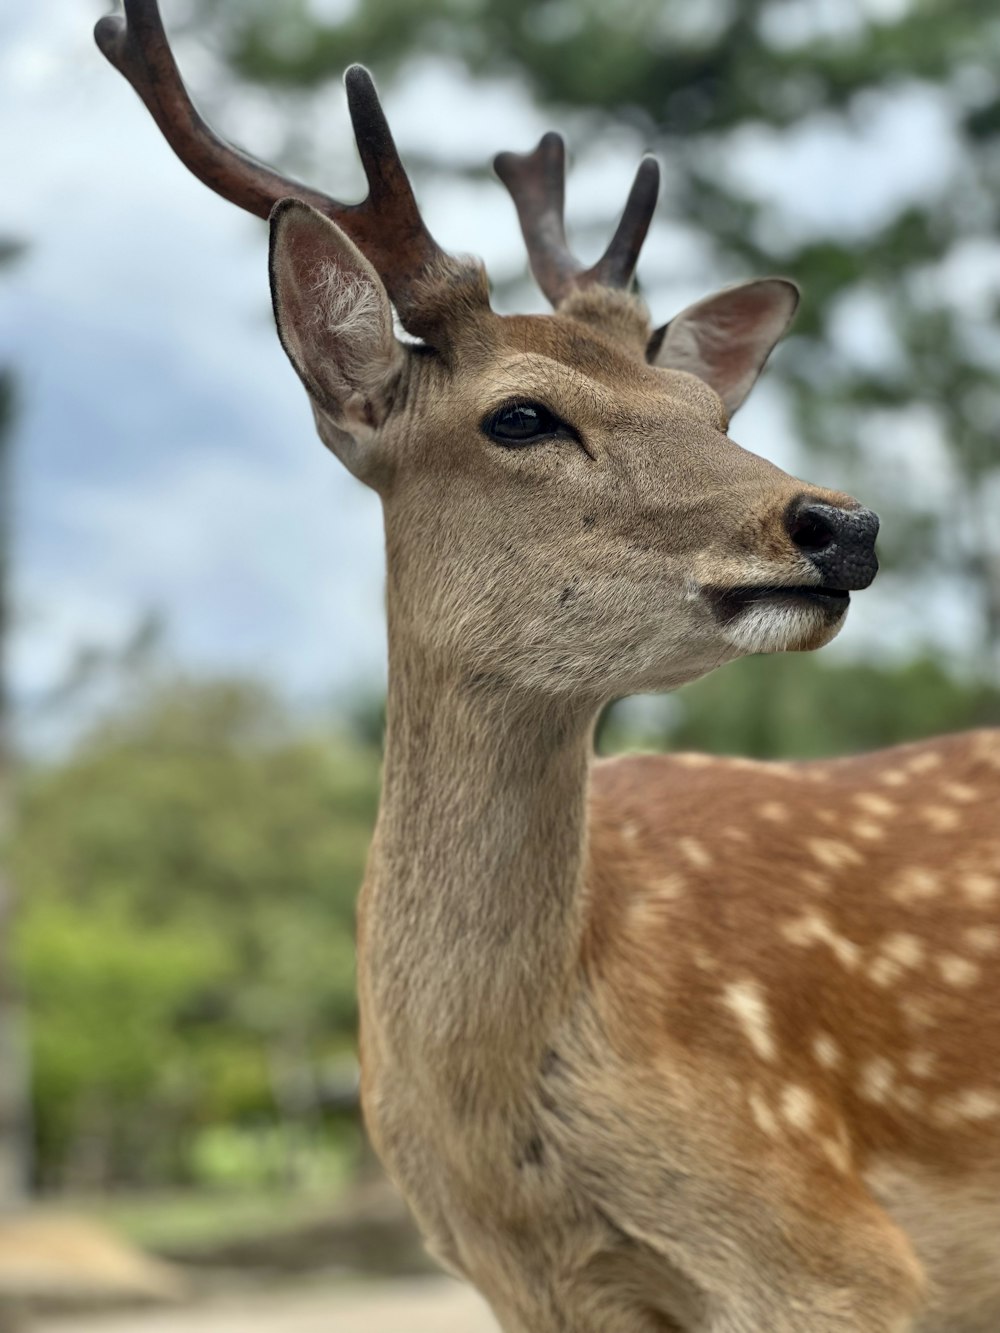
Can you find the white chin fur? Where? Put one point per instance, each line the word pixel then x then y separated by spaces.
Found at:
pixel 779 628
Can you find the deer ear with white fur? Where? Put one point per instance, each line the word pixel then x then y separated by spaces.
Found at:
pixel 726 338
pixel 335 323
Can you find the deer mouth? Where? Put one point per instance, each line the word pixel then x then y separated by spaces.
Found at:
pixel 729 603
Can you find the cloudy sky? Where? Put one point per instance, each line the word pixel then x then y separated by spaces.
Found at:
pixel 166 457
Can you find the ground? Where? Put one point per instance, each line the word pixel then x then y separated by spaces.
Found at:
pixel 427 1305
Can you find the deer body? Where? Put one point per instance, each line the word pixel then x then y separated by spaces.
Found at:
pixel 825 948
pixel 656 1045
pixel 763 1095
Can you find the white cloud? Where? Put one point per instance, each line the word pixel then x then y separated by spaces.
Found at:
pixel 831 176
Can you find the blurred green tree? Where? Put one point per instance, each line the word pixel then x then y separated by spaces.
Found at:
pixel 189 876
pixel 790 707
pixel 14 1092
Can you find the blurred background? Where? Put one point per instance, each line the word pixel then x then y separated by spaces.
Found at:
pixel 190 589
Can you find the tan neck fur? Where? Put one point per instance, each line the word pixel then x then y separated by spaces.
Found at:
pixel 471 906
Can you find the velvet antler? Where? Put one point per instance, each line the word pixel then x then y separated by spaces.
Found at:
pixel 536 182
pixel 386 226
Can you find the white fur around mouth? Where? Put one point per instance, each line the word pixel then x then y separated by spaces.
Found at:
pixel 777 620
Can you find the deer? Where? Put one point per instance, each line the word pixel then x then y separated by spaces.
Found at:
pixel 658 1043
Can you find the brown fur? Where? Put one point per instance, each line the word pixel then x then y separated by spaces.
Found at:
pixel 860 896
pixel 547 1073
pixel 673 1171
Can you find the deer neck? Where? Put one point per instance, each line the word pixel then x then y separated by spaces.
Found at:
pixel 471 913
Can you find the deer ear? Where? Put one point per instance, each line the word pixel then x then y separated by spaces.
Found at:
pixel 335 322
pixel 726 338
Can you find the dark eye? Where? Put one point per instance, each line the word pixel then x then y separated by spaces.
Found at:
pixel 518 424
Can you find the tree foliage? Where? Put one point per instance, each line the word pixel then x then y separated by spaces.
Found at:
pixel 14 1094
pixel 794 707
pixel 188 880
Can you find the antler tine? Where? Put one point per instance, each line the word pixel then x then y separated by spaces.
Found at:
pixel 386 225
pixel 616 267
pixel 536 182
pixel 137 46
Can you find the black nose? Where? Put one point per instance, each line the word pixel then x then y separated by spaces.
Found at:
pixel 839 542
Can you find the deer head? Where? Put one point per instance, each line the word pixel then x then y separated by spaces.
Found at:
pixel 565 510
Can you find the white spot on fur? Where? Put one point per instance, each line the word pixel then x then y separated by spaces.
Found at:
pixel 940 818
pixel 957 971
pixel 813 928
pixel 920 1063
pixel 745 999
pixel 838 1154
pixel 896 954
pixel 775 811
pixel 798 1106
pixel 764 1116
pixel 883 972
pixel 865 828
pixel 978 888
pixel 812 879
pixel 735 833
pixel 826 1051
pixel 914 883
pixel 924 762
pixel 694 852
pixel 987 749
pixel 833 854
pixel 894 777
pixel 973 1104
pixel 877 1078
pixel 960 792
pixel 908 1098
pixel 874 804
pixel 670 886
pixel 907 949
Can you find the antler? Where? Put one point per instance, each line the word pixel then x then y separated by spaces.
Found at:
pixel 386 225
pixel 536 182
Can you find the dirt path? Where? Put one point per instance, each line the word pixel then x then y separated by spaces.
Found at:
pixel 432 1305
